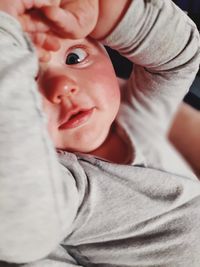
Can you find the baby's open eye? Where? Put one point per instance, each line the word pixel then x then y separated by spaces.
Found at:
pixel 77 55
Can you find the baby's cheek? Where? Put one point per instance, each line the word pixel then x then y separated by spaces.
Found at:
pixel 106 76
pixel 111 87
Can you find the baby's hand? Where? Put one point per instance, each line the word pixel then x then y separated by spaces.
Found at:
pixel 80 18
pixel 28 13
pixel 20 7
pixel 73 18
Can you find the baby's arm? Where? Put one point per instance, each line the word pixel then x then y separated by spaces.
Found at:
pixel 164 45
pixel 32 194
pixel 157 36
pixel 80 18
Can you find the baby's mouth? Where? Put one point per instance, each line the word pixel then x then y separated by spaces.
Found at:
pixel 76 119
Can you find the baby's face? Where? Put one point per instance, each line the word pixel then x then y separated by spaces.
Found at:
pixel 80 94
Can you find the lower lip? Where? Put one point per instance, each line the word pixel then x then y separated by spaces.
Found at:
pixel 78 120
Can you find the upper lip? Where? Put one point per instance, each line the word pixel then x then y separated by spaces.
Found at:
pixel 67 116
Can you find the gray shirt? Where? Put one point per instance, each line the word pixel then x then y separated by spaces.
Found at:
pixel 79 210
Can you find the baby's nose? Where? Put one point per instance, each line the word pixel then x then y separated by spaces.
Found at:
pixel 59 87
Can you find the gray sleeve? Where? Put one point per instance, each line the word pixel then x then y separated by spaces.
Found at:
pixel 37 206
pixel 164 45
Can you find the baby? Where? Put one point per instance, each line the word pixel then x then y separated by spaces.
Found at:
pixel 119 195
pixel 81 99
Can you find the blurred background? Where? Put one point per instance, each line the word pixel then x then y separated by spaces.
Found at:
pixel 123 67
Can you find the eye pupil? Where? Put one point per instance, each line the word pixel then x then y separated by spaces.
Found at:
pixel 72 59
pixel 76 55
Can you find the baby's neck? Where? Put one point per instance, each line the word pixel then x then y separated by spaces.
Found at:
pixel 113 149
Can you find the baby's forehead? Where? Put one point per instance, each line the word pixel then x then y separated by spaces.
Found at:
pixel 68 43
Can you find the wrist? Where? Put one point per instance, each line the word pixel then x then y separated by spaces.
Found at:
pixel 109 17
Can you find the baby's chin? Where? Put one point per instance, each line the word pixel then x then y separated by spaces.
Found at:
pixel 93 145
pixel 89 148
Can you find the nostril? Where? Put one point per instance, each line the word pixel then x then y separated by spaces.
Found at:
pixel 73 90
pixel 58 87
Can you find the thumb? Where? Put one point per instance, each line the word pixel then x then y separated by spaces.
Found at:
pixel 72 20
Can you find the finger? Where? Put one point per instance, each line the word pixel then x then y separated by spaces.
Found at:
pixel 33 22
pixel 38 39
pixel 63 22
pixel 51 43
pixel 45 41
pixel 43 55
pixel 29 4
pixel 73 19
pixel 39 3
pixel 48 41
